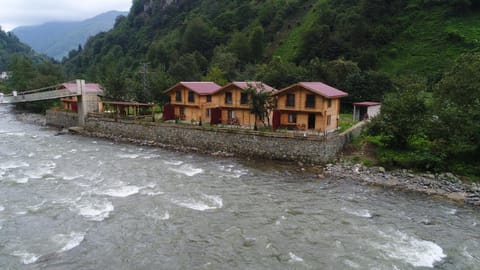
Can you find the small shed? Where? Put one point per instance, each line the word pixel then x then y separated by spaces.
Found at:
pixel 365 110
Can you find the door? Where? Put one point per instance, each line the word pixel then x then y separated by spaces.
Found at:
pixel 311 120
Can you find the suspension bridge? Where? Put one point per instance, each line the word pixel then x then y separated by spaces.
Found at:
pixel 85 93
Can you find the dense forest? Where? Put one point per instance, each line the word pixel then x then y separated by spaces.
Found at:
pixel 419 57
pixel 10 45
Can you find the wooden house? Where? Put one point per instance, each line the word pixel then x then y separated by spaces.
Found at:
pixel 234 103
pixel 93 91
pixel 190 101
pixel 308 106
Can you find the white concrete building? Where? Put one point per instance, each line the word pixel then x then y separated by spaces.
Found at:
pixel 3 75
pixel 365 110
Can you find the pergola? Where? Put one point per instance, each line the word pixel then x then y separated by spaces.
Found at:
pixel 127 109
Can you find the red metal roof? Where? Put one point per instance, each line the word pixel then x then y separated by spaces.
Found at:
pixel 259 86
pixel 323 89
pixel 89 87
pixel 366 104
pixel 201 88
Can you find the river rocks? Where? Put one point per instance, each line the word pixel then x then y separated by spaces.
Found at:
pixel 31 118
pixel 446 185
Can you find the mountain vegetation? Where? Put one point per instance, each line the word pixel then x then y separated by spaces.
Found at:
pixel 56 39
pixel 11 45
pixel 419 57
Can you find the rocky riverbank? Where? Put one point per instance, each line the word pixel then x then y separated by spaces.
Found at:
pixel 445 184
pixel 30 118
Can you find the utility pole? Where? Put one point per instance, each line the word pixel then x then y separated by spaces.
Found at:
pixel 144 73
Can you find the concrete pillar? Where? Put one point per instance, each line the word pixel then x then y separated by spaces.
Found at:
pixel 81 102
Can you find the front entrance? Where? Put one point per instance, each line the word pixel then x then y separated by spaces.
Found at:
pixel 311 120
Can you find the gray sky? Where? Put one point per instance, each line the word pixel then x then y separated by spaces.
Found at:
pixel 15 13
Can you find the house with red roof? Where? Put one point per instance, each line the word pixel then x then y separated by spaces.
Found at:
pixel 189 101
pixel 233 103
pixel 365 110
pixel 308 106
pixel 93 91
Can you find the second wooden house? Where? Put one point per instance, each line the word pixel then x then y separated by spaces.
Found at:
pixel 308 106
pixel 235 104
pixel 189 101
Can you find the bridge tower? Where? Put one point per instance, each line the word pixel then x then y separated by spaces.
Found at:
pixel 87 102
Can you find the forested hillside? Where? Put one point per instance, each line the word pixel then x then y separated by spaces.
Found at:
pixel 419 57
pixel 359 46
pixel 10 45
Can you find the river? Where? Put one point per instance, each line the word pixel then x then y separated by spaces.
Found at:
pixel 71 202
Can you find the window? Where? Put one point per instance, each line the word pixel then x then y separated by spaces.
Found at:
pixel 228 98
pixel 191 96
pixel 290 100
pixel 208 112
pixel 231 114
pixel 182 113
pixel 329 102
pixel 244 98
pixel 292 118
pixel 329 120
pixel 310 102
pixel 209 98
pixel 178 96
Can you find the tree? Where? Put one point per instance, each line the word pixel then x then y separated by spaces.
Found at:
pixel 189 67
pixel 457 107
pixel 333 72
pixel 239 46
pixel 260 102
pixel 281 73
pixel 403 115
pixel 47 74
pixel 226 61
pixel 199 36
pixel 217 75
pixel 159 82
pixel 257 44
pixel 367 86
pixel 21 73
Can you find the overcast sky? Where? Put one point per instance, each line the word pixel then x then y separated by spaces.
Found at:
pixel 15 13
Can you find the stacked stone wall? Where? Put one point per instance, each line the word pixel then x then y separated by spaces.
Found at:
pixel 268 145
pixel 61 118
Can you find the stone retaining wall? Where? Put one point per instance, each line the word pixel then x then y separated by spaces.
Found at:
pixel 61 118
pixel 268 145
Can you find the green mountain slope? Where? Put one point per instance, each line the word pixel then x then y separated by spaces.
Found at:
pixel 431 43
pixel 428 42
pixel 357 45
pixel 10 45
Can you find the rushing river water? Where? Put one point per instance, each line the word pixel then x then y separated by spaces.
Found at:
pixel 70 202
